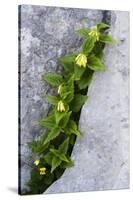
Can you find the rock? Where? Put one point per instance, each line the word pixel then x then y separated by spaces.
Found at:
pixel 101 155
pixel 45 34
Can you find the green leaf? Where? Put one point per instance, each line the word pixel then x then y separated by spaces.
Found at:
pixel 67 93
pixel 67 164
pixel 78 71
pixel 85 79
pixel 59 116
pixel 88 44
pixel 98 50
pixel 67 62
pixel 83 32
pixel 72 128
pixel 105 38
pixel 102 26
pixel 64 146
pixel 95 64
pixel 48 122
pixel 48 158
pixel 52 134
pixel 77 102
pixel 37 146
pixel 60 155
pixel 53 79
pixel 67 59
pixel 52 99
pixel 63 122
pixel 55 163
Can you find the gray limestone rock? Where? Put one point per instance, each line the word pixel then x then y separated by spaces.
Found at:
pixel 101 155
pixel 45 33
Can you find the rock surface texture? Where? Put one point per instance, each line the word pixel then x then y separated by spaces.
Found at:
pixel 101 155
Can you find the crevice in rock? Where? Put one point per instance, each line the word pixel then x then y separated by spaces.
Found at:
pixel 106 18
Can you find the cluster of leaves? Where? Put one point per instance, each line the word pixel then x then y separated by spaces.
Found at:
pixel 54 147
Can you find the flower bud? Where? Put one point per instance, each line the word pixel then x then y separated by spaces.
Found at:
pixel 81 60
pixel 60 106
pixel 94 33
pixel 36 162
pixel 59 89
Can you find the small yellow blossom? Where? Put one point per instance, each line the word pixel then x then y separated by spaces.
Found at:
pixel 60 106
pixel 42 171
pixel 36 162
pixel 59 89
pixel 81 60
pixel 94 33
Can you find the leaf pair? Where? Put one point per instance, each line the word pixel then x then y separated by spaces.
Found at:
pixel 62 118
pixel 52 134
pixel 85 32
pixel 89 42
pixel 72 128
pixel 95 64
pixel 55 122
pixel 60 154
pixel 48 122
pixel 67 91
pixel 37 146
pixel 56 156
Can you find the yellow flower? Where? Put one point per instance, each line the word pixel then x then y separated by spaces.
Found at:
pixel 42 171
pixel 36 162
pixel 94 33
pixel 59 89
pixel 60 106
pixel 81 60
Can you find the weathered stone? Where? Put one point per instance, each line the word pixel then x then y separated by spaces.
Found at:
pixel 45 34
pixel 101 155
